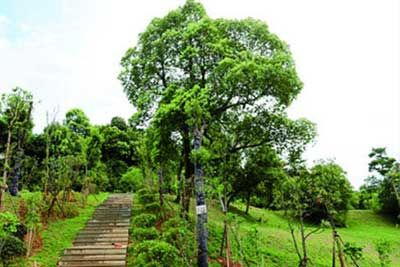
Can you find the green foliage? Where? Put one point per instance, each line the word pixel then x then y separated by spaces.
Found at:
pixel 8 224
pixel 140 234
pixel 384 248
pixel 35 207
pixel 145 196
pixel 252 246
pixel 229 80
pixel 353 251
pixel 144 220
pixel 132 180
pixel 152 207
pixel 10 248
pixel 78 122
pixel 178 232
pixel 318 194
pixel 384 182
pixel 68 210
pixel 156 253
pixel 119 123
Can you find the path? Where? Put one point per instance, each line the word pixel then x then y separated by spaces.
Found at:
pixel 103 242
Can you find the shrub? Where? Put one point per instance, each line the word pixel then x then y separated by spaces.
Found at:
pixel 140 234
pixel 144 220
pixel 145 196
pixel 21 231
pixel 156 253
pixel 152 207
pixel 132 180
pixel 68 210
pixel 174 222
pixel 183 239
pixel 12 247
pixel 384 248
pixel 177 236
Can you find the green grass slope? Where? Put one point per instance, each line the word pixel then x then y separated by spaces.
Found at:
pixel 59 235
pixel 365 228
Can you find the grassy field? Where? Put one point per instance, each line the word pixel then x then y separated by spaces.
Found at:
pixel 365 228
pixel 59 235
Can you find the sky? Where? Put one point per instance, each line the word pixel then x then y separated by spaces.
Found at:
pixel 347 53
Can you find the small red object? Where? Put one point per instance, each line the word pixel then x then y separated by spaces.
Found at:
pixel 117 245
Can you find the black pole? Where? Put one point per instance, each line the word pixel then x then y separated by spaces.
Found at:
pixel 201 208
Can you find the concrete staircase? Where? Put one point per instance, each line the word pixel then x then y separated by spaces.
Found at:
pixel 104 240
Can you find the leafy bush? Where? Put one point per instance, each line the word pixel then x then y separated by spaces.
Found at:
pixel 144 220
pixel 12 247
pixel 175 222
pixel 353 251
pixel 8 224
pixel 140 234
pixel 156 253
pixel 184 240
pixel 68 210
pixel 145 196
pixel 132 180
pixel 384 248
pixel 152 207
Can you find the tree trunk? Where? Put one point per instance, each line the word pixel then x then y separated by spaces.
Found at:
pixel 16 174
pixel 333 248
pixel 3 187
pixel 178 177
pixel 340 252
pixel 189 173
pixel 47 173
pixel 160 184
pixel 221 250
pixel 304 261
pixel 21 140
pixel 50 209
pixel 201 208
pixel 334 236
pixel 248 202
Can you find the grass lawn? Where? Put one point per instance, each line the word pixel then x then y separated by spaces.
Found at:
pixel 365 228
pixel 59 235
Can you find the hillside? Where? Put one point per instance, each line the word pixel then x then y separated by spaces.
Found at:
pixel 365 228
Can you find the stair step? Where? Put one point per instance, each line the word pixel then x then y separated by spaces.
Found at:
pixel 102 239
pixel 121 263
pixel 100 257
pixel 111 251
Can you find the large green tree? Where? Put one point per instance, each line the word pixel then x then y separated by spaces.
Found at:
pixel 386 177
pixel 202 72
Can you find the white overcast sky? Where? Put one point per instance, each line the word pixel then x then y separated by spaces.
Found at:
pixel 67 54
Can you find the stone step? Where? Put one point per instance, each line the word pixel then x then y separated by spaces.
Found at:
pixel 105 231
pixel 93 257
pixel 88 247
pixel 105 227
pixel 105 216
pixel 100 224
pixel 121 263
pixel 102 235
pixel 117 220
pixel 102 239
pixel 111 215
pixel 97 243
pixel 110 251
